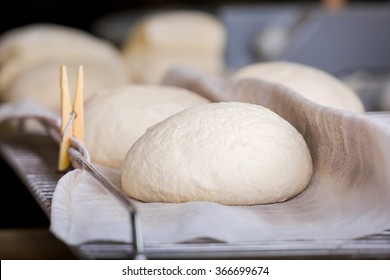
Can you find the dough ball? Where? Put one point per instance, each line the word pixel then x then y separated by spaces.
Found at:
pixel 24 48
pixel 162 40
pixel 150 67
pixel 310 82
pixel 231 153
pixel 42 83
pixel 116 118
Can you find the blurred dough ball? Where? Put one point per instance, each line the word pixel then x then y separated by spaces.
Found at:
pixel 42 83
pixel 231 153
pixel 310 82
pixel 116 118
pixel 162 40
pixel 23 49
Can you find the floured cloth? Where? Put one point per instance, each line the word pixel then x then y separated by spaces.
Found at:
pixel 348 196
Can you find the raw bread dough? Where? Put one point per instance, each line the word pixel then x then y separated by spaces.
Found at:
pixel 116 118
pixel 24 48
pixel 310 82
pixel 42 84
pixel 230 152
pixel 165 39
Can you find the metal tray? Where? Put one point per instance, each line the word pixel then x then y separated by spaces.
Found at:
pixel 34 160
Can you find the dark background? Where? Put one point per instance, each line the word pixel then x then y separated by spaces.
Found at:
pixel 82 14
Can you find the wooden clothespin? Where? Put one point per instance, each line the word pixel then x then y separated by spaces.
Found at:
pixel 72 119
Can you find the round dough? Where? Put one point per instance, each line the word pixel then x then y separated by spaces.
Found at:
pixel 150 67
pixel 178 29
pixel 116 118
pixel 24 48
pixel 42 83
pixel 162 40
pixel 231 153
pixel 310 82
